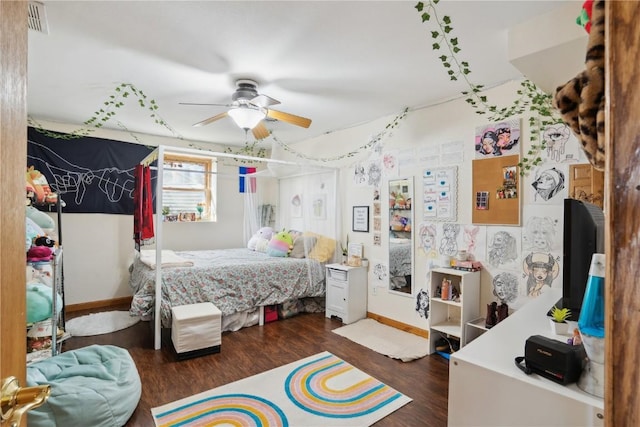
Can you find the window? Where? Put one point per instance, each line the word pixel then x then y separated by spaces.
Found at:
pixel 189 188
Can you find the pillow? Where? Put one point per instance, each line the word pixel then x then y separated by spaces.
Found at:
pixel 295 234
pixel 280 244
pixel 323 249
pixel 299 245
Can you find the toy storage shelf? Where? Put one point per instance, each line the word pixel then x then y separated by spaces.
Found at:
pixel 475 328
pixel 448 318
pixel 57 290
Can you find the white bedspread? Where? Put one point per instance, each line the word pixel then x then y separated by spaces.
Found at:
pixel 169 259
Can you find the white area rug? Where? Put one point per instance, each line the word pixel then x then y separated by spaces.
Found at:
pixel 318 391
pixel 385 340
pixel 100 323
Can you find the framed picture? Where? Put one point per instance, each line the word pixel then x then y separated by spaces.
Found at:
pixel 361 218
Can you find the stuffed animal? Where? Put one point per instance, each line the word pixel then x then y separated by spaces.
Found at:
pixel 40 302
pixel 39 253
pixel 280 245
pixel 581 101
pixel 43 220
pixel 39 275
pixel 38 185
pixel 263 235
pixel 44 241
pixel 33 230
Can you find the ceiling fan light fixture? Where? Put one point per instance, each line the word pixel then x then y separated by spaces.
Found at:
pixel 246 117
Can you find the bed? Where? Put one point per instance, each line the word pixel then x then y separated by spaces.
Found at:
pixel 235 280
pixel 239 280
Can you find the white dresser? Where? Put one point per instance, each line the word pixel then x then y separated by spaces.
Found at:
pixel 487 389
pixel 346 292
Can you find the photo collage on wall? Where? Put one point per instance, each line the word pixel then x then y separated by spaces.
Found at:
pixel 377 219
pixel 525 261
pixel 492 140
pixel 509 188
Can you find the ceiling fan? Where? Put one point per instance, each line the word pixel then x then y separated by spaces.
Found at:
pixel 249 108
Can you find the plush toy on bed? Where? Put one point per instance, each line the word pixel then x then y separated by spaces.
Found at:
pixel 280 244
pixel 260 240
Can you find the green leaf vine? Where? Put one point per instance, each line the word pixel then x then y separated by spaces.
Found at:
pixel 249 149
pixel 530 98
pixel 372 141
pixel 122 93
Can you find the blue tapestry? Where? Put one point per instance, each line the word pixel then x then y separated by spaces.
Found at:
pixel 90 175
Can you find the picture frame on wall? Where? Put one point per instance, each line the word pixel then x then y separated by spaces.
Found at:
pixel 360 219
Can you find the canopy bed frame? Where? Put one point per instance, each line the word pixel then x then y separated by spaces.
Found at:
pixel 274 169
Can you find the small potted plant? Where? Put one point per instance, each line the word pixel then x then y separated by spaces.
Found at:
pixel 559 324
pixel 345 251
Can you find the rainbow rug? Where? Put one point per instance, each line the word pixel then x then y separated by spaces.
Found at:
pixel 321 390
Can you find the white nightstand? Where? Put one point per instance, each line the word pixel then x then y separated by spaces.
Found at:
pixel 346 292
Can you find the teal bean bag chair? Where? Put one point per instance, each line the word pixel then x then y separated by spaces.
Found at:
pixel 93 386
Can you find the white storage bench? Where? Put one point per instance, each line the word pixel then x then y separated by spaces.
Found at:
pixel 196 329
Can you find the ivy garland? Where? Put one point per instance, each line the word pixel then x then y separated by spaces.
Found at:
pixel 249 149
pixel 374 139
pixel 123 91
pixel 108 111
pixel 531 98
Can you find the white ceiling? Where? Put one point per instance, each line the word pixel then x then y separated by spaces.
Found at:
pixel 339 63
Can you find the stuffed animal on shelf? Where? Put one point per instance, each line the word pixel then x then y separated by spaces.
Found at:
pixel 43 220
pixel 260 239
pixel 40 295
pixel 40 302
pixel 44 241
pixel 41 275
pixel 280 245
pixel 39 253
pixel 38 185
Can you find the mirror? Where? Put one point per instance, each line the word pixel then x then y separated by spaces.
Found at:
pixel 400 236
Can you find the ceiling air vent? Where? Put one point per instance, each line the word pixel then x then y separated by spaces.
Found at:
pixel 38 17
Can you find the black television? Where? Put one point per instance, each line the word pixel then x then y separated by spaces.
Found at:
pixel 583 236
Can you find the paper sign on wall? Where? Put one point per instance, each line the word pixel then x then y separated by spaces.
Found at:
pixel 440 193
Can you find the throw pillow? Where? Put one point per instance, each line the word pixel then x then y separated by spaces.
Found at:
pixel 303 245
pixel 324 248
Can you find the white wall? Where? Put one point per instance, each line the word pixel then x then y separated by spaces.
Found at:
pixel 450 121
pixel 98 247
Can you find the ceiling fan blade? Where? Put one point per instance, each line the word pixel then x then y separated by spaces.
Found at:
pixel 260 131
pixel 264 100
pixel 196 103
pixel 289 118
pixel 211 119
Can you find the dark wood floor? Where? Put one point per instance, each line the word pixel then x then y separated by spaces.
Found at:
pixel 257 349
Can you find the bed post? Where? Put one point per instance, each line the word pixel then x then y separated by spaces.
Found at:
pixel 157 340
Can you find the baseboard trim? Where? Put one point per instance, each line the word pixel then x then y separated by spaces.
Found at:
pixel 399 325
pixel 70 308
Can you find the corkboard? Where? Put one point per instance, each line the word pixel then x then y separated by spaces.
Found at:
pixel 489 176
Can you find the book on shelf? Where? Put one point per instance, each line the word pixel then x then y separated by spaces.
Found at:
pixel 465 268
pixel 466 265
